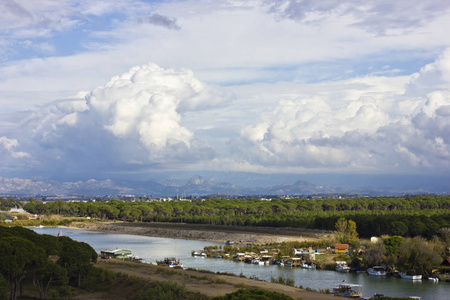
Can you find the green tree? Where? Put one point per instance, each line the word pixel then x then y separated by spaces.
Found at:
pixel 398 228
pixel 374 254
pixel 17 256
pixel 76 257
pixel 51 278
pixel 418 255
pixel 345 231
pixel 4 287
pixel 392 244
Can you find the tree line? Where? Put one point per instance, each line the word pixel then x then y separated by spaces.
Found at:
pixel 50 264
pixel 408 216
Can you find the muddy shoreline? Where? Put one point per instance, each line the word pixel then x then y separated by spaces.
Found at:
pixel 214 233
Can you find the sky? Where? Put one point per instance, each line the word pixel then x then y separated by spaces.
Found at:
pixel 101 89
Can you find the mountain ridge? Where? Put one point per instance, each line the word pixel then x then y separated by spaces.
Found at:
pixel 194 186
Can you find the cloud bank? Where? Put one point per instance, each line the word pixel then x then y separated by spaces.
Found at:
pixel 134 121
pixel 403 128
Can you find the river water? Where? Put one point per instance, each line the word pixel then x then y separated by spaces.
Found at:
pixel 151 249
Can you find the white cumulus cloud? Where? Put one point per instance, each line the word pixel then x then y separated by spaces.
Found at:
pixel 370 126
pixel 8 146
pixel 134 120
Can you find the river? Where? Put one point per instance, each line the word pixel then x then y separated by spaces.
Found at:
pixel 151 249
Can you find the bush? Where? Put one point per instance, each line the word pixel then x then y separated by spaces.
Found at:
pixel 254 294
pixel 166 290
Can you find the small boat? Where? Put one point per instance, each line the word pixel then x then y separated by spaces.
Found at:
pixel 239 257
pixel 410 276
pixel 347 290
pixel 341 266
pixel 172 262
pixel 199 253
pixel 308 265
pixel 265 259
pixel 376 271
pixel 292 262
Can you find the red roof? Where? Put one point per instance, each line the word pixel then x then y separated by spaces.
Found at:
pixel 341 246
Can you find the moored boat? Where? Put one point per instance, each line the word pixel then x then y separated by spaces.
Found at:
pixel 172 262
pixel 198 253
pixel 377 271
pixel 341 266
pixel 347 290
pixel 308 265
pixel 410 276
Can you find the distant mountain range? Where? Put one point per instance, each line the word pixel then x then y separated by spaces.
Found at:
pixel 195 186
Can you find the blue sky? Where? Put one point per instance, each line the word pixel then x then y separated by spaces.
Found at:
pixel 104 89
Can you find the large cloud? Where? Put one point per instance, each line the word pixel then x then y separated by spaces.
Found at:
pixel 133 121
pixel 392 130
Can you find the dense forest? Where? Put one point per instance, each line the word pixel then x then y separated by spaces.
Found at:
pixel 408 216
pixel 51 264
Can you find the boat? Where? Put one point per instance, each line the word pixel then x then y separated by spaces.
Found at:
pixel 410 276
pixel 199 253
pixel 292 262
pixel 257 261
pixel 341 266
pixel 265 259
pixel 308 265
pixel 172 262
pixel 239 257
pixel 347 290
pixel 377 271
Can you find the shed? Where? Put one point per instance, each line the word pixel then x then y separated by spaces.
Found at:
pixel 341 248
pixel 117 253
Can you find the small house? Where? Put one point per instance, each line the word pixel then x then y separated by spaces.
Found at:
pixel 341 248
pixel 117 253
pixel 7 218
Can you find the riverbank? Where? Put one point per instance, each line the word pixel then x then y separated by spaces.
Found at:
pixel 208 284
pixel 214 233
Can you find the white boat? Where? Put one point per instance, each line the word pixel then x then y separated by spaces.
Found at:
pixel 257 261
pixel 308 265
pixel 341 266
pixel 199 253
pixel 376 271
pixel 410 276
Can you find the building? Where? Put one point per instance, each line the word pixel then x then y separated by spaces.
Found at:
pixel 117 253
pixel 341 248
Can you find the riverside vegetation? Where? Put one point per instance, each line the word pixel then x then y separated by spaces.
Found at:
pixel 34 266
